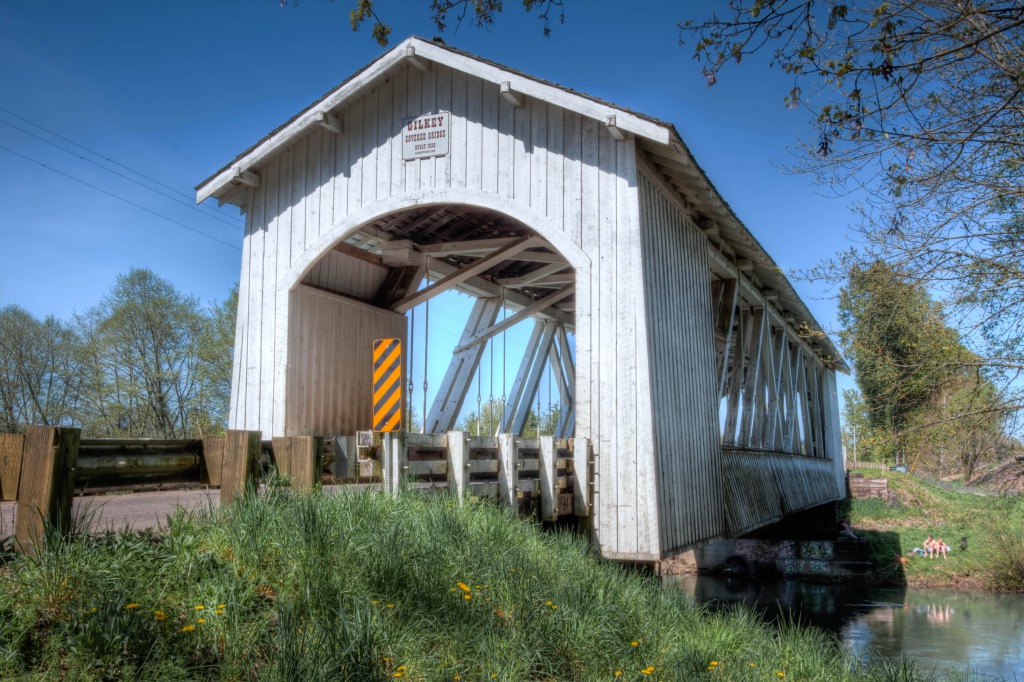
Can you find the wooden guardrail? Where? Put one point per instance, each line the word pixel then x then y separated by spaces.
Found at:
pixel 865 465
pixel 42 469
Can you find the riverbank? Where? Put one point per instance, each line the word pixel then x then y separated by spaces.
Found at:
pixel 366 587
pixel 990 525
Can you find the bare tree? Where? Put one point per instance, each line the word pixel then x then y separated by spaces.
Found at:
pixel 39 377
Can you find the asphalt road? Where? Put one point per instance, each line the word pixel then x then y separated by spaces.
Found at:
pixel 133 511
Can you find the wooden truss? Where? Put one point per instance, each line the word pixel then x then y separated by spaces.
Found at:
pixel 773 384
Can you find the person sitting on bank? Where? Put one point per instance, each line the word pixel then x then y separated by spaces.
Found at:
pixel 846 531
pixel 929 546
pixel 941 548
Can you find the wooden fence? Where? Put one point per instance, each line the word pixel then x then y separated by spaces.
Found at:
pixel 42 469
pixel 866 465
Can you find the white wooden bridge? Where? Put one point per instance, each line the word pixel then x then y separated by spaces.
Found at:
pixel 683 359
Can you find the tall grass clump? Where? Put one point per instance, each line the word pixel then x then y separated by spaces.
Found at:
pixel 365 587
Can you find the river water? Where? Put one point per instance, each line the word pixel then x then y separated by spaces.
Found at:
pixel 942 630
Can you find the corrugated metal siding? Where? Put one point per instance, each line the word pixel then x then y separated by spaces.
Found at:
pixel 682 370
pixel 762 487
pixel 330 341
pixel 550 161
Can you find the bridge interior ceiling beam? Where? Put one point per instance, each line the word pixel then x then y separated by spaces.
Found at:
pixel 473 250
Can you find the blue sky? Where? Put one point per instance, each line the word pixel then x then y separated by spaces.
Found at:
pixel 174 90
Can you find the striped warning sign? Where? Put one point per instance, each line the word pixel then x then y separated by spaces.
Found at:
pixel 387 385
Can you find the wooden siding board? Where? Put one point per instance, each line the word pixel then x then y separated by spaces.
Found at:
pixel 618 506
pixel 474 133
pixel 555 180
pixel 428 105
pixel 413 107
pixel 443 84
pixel 354 132
pixel 458 143
pixel 263 397
pixel 489 136
pixel 682 373
pixel 537 150
pixel 385 137
pixel 368 177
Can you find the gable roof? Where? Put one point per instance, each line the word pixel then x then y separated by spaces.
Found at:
pixel 656 137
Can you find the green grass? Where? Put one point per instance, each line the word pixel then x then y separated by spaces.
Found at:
pixel 366 587
pixel 992 524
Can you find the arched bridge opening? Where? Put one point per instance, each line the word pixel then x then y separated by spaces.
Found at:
pixel 484 306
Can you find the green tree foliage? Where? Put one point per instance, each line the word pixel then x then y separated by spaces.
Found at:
pixel 489 419
pixel 39 370
pixel 919 402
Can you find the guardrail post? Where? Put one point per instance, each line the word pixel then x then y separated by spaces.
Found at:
pixel 300 458
pixel 213 458
pixel 11 447
pixel 508 474
pixel 458 456
pixel 46 486
pixel 548 477
pixel 241 457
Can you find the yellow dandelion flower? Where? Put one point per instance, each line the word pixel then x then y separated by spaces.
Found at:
pixel 400 669
pixel 398 674
pixel 159 616
pixel 133 605
pixel 647 671
pixel 713 663
pixel 200 607
pixel 374 602
pixel 220 606
pixel 478 587
pixel 389 606
pixel 753 665
pixel 634 643
pixel 201 620
pixel 554 606
pixel 188 628
pixel 456 677
pixel 548 602
pixel 494 676
pixel 617 673
pixel 467 596
pixel 463 586
pixel 781 674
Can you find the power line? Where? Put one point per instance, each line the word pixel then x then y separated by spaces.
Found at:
pixel 120 198
pixel 190 205
pixel 105 158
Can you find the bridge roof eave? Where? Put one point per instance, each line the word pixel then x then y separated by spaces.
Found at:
pixel 710 205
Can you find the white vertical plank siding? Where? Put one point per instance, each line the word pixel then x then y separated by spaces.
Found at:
pixel 681 360
pixel 457 142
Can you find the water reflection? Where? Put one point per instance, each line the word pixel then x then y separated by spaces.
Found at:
pixel 942 630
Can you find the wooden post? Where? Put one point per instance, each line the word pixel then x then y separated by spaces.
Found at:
pixel 458 460
pixel 508 474
pixel 241 456
pixel 548 477
pixel 581 476
pixel 300 458
pixel 11 447
pixel 47 485
pixel 213 458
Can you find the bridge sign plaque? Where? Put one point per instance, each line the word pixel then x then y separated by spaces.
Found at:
pixel 387 385
pixel 425 136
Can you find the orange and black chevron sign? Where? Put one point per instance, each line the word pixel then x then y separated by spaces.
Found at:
pixel 387 385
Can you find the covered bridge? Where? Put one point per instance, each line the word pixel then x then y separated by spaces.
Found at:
pixel 683 356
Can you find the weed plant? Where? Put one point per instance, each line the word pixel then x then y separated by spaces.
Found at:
pixel 366 587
